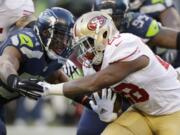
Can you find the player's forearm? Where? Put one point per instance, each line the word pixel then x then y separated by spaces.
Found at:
pixel 7 68
pixel 166 38
pixel 71 88
pixel 170 14
pixel 86 85
pixel 107 77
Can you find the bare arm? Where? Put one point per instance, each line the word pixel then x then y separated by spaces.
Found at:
pixel 58 77
pixel 170 18
pixel 23 21
pixel 166 38
pixel 9 62
pixel 114 73
pixel 79 89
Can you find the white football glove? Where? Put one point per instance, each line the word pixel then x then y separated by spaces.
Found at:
pixel 104 106
pixel 69 68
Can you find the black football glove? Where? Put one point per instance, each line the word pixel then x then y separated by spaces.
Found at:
pixel 25 87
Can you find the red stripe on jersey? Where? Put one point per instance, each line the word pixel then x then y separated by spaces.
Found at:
pixel 26 12
pixel 114 38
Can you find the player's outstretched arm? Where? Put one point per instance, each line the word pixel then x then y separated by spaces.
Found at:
pixel 167 38
pixel 10 62
pixel 114 73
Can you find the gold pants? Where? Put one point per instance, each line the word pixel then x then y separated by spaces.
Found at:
pixel 134 123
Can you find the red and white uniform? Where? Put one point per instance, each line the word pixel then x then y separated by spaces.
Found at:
pixel 11 11
pixel 155 89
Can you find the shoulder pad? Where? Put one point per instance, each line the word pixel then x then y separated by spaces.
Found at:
pixel 26 42
pixel 141 25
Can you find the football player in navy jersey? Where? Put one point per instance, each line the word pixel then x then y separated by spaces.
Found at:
pixel 37 52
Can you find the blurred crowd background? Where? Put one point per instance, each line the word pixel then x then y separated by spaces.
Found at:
pixel 54 110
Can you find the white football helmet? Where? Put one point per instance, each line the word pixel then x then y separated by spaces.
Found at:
pixel 92 31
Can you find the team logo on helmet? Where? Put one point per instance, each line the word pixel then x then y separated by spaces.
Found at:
pixel 95 22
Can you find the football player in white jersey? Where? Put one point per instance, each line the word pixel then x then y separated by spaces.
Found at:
pixel 140 25
pixel 124 63
pixel 15 12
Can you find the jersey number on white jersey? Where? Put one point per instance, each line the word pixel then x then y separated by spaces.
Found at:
pixel 132 92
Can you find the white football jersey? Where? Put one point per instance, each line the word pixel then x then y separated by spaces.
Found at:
pixel 11 11
pixel 155 89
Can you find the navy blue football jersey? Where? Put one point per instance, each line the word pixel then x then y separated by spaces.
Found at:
pixel 35 62
pixel 141 25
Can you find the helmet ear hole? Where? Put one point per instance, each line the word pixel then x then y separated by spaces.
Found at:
pixel 105 34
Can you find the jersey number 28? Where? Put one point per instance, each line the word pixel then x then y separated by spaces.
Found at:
pixel 132 92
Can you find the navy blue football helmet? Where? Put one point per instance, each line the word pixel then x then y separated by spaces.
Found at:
pixel 116 8
pixel 53 28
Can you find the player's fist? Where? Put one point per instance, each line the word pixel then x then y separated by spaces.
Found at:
pixel 25 87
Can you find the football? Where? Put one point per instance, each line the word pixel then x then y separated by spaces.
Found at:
pixel 118 104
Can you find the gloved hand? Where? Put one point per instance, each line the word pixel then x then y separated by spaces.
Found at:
pixel 104 106
pixel 25 87
pixel 70 68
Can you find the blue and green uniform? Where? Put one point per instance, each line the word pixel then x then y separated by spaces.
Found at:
pixel 34 63
pixel 141 25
